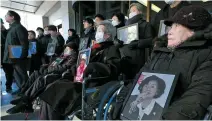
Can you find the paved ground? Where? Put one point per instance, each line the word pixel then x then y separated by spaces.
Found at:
pixel 5 102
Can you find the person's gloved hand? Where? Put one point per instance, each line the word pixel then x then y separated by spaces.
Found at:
pixel 133 45
pixel 118 43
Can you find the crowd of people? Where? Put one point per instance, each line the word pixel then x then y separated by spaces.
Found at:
pixel 185 50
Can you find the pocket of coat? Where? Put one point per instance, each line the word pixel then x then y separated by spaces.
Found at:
pixel 188 111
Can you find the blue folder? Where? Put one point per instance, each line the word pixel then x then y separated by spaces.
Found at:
pixel 15 51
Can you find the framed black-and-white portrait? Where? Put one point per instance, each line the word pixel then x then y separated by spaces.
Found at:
pixel 150 96
pixel 51 49
pixel 128 33
pixel 163 29
pixel 82 62
pixel 84 43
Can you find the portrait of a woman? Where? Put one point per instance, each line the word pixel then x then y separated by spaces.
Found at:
pixel 144 106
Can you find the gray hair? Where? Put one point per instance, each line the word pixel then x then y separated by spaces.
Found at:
pixel 138 6
pixel 109 28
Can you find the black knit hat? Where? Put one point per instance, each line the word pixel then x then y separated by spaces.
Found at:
pixel 72 45
pixel 192 17
pixel 89 20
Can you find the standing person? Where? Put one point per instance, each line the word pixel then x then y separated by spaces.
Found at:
pixel 40 32
pixel 17 35
pixel 118 20
pixel 56 38
pixel 136 48
pixel 98 19
pixel 171 7
pixel 8 68
pixel 35 62
pixel 89 31
pixel 44 43
pixel 73 37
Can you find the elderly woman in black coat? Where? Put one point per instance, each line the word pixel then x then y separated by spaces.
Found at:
pixel 186 50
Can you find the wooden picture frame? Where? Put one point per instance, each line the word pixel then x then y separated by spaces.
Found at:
pixel 158 87
pixel 128 33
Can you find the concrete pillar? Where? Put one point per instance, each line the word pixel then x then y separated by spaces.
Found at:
pixel 45 21
pixel 68 17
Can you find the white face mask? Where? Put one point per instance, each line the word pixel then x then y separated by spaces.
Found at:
pixel 115 23
pixel 169 2
pixel 67 52
pixel 46 32
pixel 99 37
pixel 132 14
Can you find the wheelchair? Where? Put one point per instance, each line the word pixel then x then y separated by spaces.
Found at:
pixel 94 100
pixel 101 107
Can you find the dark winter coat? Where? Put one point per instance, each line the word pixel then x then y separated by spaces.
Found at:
pixel 66 63
pixel 192 61
pixel 64 100
pixel 35 62
pixel 90 34
pixel 60 44
pixel 40 37
pixel 3 40
pixel 17 35
pixel 136 49
pixel 165 13
pixel 44 43
pixel 74 38
pixel 109 55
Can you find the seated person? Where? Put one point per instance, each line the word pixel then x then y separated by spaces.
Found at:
pixel 104 62
pixel 186 50
pixel 36 82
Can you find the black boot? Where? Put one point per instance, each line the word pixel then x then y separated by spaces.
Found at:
pixel 21 108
